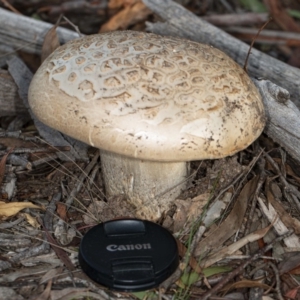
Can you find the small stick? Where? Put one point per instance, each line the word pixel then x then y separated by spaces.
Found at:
pixel 252 43
pixel 35 150
pixel 278 282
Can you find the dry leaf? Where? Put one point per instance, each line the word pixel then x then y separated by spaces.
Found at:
pixel 2 165
pixel 292 294
pixel 248 284
pixel 12 208
pixel 31 220
pixel 50 274
pixel 61 211
pixel 117 4
pixel 289 221
pixel 60 252
pixel 126 17
pixel 290 263
pixel 196 206
pixel 226 251
pixel 46 293
pixel 194 264
pixel 51 42
pixel 217 236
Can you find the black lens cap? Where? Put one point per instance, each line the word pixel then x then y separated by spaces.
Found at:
pixel 128 254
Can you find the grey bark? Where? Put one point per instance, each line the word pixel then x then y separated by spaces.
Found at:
pixel 28 34
pixel 283 117
pixel 10 102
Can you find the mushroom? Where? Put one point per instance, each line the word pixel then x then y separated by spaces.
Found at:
pixel 150 104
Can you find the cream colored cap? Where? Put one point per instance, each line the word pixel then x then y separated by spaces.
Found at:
pixel 148 96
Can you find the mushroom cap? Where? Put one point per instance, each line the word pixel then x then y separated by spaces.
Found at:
pixel 148 96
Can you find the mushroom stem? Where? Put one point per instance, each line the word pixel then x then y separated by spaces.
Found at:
pixel 150 186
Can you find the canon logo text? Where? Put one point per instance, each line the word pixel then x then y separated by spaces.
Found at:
pixel 128 247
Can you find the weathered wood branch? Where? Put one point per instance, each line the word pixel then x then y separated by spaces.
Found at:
pixel 283 117
pixel 183 23
pixel 28 34
pixel 10 102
